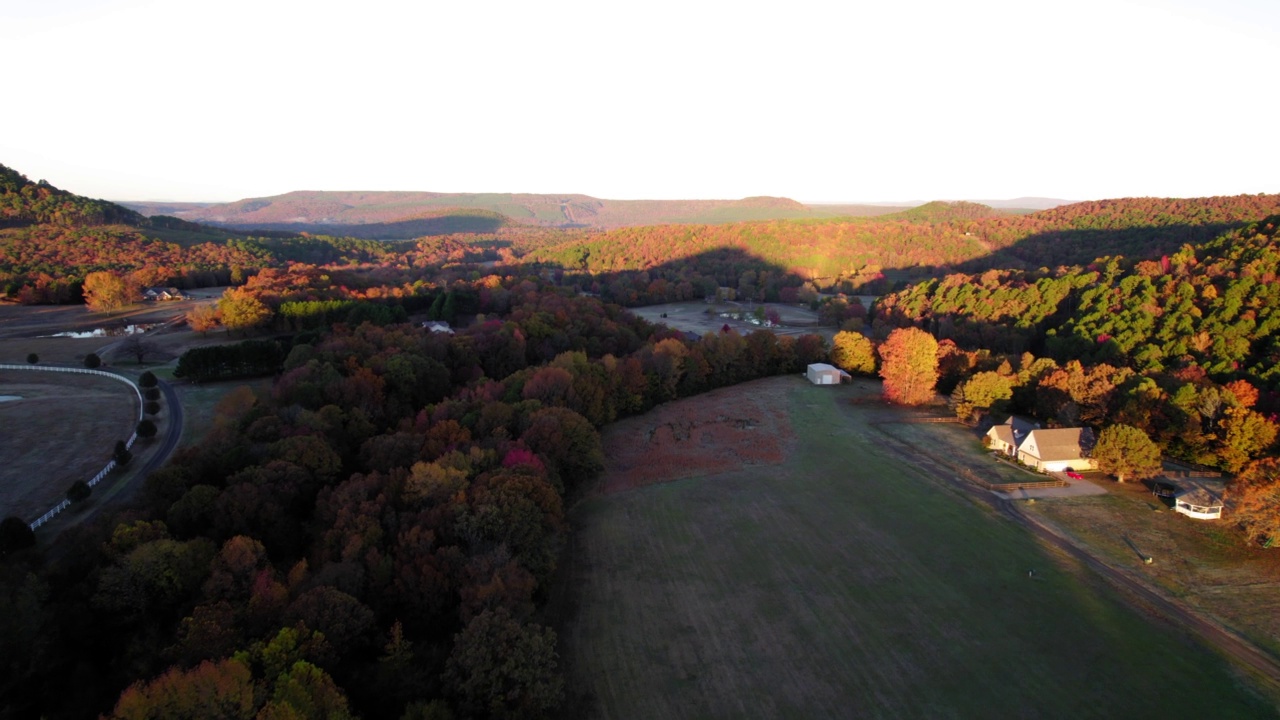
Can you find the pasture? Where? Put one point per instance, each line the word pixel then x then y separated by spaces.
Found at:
pixel 61 429
pixel 691 316
pixel 836 578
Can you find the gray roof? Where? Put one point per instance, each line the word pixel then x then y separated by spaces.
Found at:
pixel 1062 443
pixel 1014 430
pixel 1199 495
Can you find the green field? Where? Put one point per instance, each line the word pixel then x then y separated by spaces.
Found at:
pixel 847 583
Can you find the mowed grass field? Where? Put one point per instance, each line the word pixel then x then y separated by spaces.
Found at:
pixel 62 429
pixel 845 582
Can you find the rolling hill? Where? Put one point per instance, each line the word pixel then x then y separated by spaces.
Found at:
pixel 334 213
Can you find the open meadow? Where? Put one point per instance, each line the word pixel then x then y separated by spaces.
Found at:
pixel 807 566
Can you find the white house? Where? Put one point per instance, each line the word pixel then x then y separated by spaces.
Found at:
pixel 824 374
pixel 1198 502
pixel 1007 437
pixel 1058 449
pixel 438 326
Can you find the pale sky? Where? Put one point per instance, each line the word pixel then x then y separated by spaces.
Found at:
pixel 833 101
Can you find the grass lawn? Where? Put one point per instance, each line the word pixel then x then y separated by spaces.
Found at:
pixel 845 583
pixel 1206 564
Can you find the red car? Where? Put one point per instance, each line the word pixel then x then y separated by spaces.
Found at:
pixel 1074 475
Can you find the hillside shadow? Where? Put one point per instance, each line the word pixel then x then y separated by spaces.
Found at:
pixel 1080 247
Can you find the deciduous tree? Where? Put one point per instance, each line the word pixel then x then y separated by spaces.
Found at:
pixel 1126 452
pixel 203 318
pixel 240 310
pixel 854 352
pixel 1255 496
pixel 106 291
pixel 909 366
pixel 500 668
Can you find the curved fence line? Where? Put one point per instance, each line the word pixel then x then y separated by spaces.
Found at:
pixel 110 465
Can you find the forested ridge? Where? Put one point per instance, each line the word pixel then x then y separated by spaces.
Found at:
pixel 857 252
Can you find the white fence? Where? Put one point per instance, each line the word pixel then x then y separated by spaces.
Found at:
pixel 110 465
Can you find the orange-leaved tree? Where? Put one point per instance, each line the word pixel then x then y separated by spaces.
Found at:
pixel 1255 500
pixel 909 366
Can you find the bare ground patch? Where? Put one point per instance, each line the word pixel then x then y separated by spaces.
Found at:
pixel 719 431
pixel 61 430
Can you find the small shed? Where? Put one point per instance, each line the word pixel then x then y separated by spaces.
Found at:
pixel 1199 502
pixel 824 374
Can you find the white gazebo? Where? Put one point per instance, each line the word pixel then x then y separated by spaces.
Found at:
pixel 1197 501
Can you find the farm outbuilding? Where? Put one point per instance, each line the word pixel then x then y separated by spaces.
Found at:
pixel 824 374
pixel 1197 501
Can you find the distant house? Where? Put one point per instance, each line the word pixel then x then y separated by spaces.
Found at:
pixel 1197 501
pixel 1058 449
pixel 163 293
pixel 1007 437
pixel 438 326
pixel 824 374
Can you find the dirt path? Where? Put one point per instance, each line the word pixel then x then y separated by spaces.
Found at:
pixel 1261 664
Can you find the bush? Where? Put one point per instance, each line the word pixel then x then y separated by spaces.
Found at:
pixel 151 407
pixel 148 379
pixel 33 358
pixel 121 454
pixel 146 429
pixel 79 491
pixel 152 393
pixel 92 361
pixel 15 534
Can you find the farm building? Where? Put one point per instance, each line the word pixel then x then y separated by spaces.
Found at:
pixel 824 374
pixel 1007 437
pixel 1058 449
pixel 1199 502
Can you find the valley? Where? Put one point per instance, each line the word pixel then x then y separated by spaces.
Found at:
pixel 583 463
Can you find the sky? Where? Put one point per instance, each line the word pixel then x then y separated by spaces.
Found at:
pixel 845 101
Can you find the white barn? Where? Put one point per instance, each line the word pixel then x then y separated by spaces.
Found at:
pixel 824 374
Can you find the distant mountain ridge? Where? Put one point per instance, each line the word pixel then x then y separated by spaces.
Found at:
pixel 320 211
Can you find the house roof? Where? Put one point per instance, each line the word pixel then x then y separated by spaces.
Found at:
pixel 1199 495
pixel 826 367
pixel 1003 433
pixel 1013 431
pixel 1061 443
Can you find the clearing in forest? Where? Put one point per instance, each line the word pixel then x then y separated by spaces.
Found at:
pixel 838 579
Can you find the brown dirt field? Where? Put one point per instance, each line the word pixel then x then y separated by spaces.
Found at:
pixel 719 431
pixel 62 430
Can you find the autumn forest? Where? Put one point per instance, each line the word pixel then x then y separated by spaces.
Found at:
pixel 378 533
